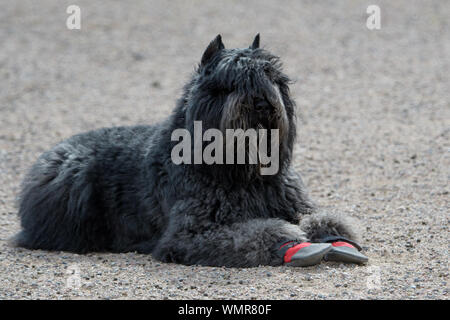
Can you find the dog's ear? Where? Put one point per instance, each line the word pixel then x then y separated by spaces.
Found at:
pixel 214 46
pixel 255 44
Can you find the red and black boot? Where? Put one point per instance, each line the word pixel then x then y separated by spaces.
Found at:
pixel 302 254
pixel 343 250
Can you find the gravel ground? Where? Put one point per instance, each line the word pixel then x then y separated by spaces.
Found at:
pixel 374 133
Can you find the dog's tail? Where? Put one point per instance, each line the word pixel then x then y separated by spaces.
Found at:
pixel 16 240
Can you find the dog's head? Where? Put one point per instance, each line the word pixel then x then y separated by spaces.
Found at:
pixel 241 89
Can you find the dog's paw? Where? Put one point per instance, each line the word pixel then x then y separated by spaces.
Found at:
pixel 303 254
pixel 342 251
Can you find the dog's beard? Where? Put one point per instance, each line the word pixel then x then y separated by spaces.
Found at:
pixel 238 113
pixel 240 116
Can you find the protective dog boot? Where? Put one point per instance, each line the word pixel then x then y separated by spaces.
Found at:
pixel 344 250
pixel 302 254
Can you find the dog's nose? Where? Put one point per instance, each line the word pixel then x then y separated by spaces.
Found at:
pixel 261 105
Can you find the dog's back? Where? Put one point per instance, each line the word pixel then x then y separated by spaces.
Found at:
pixel 72 196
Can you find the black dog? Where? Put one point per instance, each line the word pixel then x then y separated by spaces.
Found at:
pixel 118 189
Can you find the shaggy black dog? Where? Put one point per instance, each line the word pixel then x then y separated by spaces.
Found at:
pixel 119 190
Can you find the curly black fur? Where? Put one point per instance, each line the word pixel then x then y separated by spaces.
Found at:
pixel 117 189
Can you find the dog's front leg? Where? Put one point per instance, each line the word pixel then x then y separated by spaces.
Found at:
pixel 191 238
pixel 341 231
